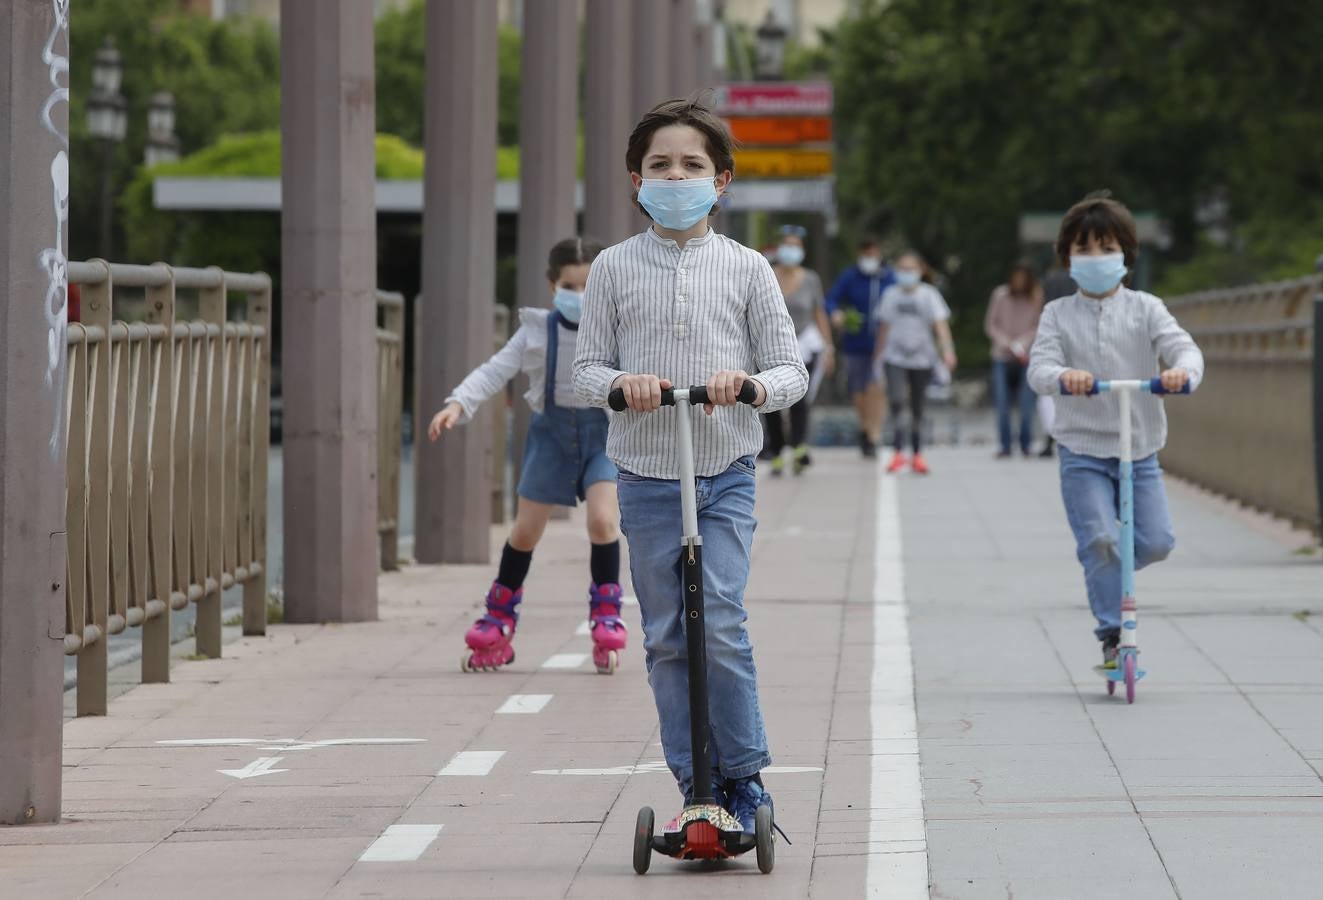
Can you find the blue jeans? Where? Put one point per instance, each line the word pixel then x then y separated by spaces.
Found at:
pixel 1090 488
pixel 650 519
pixel 1011 386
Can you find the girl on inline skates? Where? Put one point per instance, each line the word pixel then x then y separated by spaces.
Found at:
pixel 564 462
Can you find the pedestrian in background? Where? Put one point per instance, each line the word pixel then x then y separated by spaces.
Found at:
pixel 852 305
pixel 913 338
pixel 1010 323
pixel 802 290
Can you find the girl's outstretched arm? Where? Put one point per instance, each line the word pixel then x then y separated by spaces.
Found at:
pixel 490 377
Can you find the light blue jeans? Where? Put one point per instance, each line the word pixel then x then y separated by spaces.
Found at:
pixel 1090 489
pixel 650 519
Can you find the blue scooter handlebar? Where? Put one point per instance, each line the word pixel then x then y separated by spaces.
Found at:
pixel 697 396
pixel 1149 386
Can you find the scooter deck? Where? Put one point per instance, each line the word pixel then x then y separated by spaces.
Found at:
pixel 704 831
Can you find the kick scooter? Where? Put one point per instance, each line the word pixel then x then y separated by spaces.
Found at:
pixel 1127 663
pixel 703 829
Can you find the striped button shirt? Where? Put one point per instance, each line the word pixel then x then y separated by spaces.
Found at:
pixel 1121 337
pixel 684 313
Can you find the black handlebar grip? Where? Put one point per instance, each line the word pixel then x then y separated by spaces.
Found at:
pixel 616 400
pixel 697 396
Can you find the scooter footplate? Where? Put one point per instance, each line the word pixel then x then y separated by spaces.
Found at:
pixel 703 832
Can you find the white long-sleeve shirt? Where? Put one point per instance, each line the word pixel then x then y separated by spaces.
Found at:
pixel 655 308
pixel 526 351
pixel 1124 336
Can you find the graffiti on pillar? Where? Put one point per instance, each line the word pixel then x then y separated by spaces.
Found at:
pixel 52 260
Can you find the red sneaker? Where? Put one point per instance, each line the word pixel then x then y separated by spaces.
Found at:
pixel 897 463
pixel 919 465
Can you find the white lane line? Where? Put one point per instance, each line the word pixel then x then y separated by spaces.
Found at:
pixel 526 704
pixel 401 843
pixel 565 661
pixel 472 762
pixel 897 839
pixel 585 628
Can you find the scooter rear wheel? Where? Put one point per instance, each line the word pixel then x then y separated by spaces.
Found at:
pixel 1131 676
pixel 762 830
pixel 643 840
pixel 1111 687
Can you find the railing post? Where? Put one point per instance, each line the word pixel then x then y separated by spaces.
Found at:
pixel 254 588
pixel 160 521
pixel 390 372
pixel 34 208
pixel 96 314
pixel 1318 399
pixel 209 502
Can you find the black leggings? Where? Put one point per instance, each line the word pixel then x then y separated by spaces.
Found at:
pixel 916 380
pixel 799 417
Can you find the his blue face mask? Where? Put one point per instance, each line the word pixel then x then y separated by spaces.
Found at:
pixel 789 254
pixel 1097 274
pixel 568 303
pixel 678 204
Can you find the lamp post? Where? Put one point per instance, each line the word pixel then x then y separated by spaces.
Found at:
pixel 162 145
pixel 770 49
pixel 107 118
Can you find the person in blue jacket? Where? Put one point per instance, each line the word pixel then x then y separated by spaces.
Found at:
pixel 852 306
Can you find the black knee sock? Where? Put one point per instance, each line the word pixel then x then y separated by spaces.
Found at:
pixel 604 564
pixel 514 567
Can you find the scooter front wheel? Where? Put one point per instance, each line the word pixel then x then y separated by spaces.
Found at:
pixel 1111 687
pixel 762 830
pixel 643 840
pixel 1131 676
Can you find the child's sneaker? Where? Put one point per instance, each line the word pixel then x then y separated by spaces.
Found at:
pixel 746 795
pixel 801 460
pixel 1110 644
pixel 897 463
pixel 919 465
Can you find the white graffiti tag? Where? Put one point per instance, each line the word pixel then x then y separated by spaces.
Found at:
pixel 52 260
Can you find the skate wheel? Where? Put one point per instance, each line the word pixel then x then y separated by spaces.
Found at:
pixel 612 663
pixel 643 841
pixel 1111 687
pixel 1131 676
pixel 766 845
pixel 466 662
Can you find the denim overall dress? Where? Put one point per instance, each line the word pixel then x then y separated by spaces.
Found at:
pixel 566 448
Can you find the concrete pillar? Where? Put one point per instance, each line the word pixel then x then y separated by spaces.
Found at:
pixel 704 27
pixel 459 275
pixel 548 113
pixel 608 214
pixel 329 273
pixel 684 58
pixel 34 210
pixel 652 55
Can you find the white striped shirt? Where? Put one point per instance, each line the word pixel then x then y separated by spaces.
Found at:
pixel 526 352
pixel 1121 337
pixel 655 308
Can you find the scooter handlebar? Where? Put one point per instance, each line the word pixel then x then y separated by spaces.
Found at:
pixel 1148 386
pixel 697 395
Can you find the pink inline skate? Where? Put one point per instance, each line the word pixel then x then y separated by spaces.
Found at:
pixel 608 632
pixel 489 638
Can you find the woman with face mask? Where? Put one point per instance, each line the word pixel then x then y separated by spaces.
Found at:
pixel 913 336
pixel 1010 323
pixel 564 462
pixel 802 290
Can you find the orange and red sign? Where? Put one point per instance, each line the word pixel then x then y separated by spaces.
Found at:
pixel 781 130
pixel 785 127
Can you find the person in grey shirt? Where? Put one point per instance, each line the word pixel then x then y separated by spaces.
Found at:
pixel 1108 331
pixel 913 320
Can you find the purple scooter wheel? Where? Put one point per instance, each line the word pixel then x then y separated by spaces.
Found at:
pixel 1131 676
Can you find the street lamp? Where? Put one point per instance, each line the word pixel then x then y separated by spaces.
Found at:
pixel 162 145
pixel 107 120
pixel 770 49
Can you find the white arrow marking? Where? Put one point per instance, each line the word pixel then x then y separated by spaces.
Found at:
pixel 286 745
pixel 256 768
pixel 650 768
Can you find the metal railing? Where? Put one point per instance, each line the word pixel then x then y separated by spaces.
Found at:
pixel 168 409
pixel 390 403
pixel 1247 432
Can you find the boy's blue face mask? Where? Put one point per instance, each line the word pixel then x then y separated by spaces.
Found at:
pixel 678 204
pixel 568 303
pixel 1097 274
